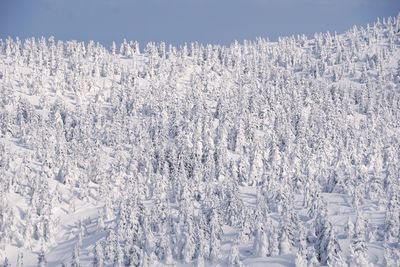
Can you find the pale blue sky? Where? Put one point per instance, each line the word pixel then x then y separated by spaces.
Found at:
pixel 179 21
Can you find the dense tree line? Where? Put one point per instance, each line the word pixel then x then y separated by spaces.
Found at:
pixel 170 140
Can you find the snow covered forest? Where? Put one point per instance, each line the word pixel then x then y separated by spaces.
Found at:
pixel 255 154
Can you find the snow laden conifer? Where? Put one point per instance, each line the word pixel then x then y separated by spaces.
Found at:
pixel 359 254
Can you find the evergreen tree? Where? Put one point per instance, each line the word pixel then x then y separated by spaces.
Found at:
pixel 358 254
pixel 234 256
pixel 301 260
pixel 42 261
pixel 6 263
pixel 261 242
pixel 274 244
pixel 98 260
pixel 75 262
pixel 20 259
pixel 327 247
pixel 349 229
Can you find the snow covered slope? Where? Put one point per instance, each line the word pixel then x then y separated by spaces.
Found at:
pixel 256 154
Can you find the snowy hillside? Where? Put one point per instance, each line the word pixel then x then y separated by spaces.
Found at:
pixel 258 154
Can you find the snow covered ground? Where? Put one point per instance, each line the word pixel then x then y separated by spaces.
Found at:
pixel 256 154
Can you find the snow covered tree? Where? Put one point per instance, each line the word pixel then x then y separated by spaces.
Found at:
pixel 75 262
pixel 234 256
pixel 284 242
pixel 349 228
pixel 20 259
pixel 42 261
pixel 261 242
pixel 274 243
pixel 326 246
pixel 6 263
pixel 301 260
pixel 98 259
pixel 312 259
pixel 360 226
pixel 358 253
